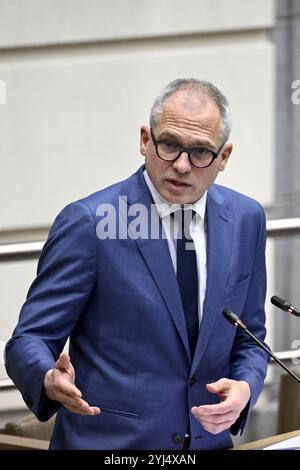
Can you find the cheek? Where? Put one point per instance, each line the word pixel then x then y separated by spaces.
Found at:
pixel 149 163
pixel 212 173
pixel 153 164
pixel 151 167
pixel 205 179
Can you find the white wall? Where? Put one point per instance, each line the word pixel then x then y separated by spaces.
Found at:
pixel 80 77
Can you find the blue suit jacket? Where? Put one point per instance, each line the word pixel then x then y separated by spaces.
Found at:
pixel 119 302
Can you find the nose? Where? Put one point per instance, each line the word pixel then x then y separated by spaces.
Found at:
pixel 182 164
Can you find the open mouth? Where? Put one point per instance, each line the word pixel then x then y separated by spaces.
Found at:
pixel 178 184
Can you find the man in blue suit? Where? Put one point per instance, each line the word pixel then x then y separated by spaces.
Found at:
pixel 152 362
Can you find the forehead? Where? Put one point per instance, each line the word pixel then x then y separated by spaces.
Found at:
pixel 190 114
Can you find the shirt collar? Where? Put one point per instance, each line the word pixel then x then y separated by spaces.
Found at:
pixel 165 208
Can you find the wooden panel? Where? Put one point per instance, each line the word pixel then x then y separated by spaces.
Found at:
pixel 21 443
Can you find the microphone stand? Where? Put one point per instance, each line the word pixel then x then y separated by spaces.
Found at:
pixel 234 320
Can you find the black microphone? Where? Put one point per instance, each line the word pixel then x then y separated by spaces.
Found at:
pixel 235 320
pixel 285 305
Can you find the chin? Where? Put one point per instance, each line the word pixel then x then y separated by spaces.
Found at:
pixel 176 200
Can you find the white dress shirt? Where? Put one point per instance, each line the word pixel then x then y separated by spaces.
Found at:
pixel 197 231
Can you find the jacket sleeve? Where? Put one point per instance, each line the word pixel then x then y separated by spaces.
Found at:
pixel 248 361
pixel 65 278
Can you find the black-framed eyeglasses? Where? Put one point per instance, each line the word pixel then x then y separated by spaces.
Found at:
pixel 170 151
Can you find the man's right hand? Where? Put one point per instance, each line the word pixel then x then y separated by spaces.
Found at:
pixel 60 385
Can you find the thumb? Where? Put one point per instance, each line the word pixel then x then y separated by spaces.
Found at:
pixel 63 362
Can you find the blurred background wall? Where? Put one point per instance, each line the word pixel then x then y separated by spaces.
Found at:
pixel 79 78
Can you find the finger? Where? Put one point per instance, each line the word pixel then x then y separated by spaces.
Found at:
pixel 77 404
pixel 91 412
pixel 63 362
pixel 217 428
pixel 96 410
pixel 219 408
pixel 70 390
pixel 219 419
pixel 80 406
pixel 220 386
pixel 62 383
pixel 212 388
pixel 66 399
pixel 79 411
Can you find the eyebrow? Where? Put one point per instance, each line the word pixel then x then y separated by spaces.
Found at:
pixel 198 143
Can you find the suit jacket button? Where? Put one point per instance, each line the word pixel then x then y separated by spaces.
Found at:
pixel 192 381
pixel 177 438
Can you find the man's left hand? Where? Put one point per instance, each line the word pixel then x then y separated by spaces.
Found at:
pixel 234 396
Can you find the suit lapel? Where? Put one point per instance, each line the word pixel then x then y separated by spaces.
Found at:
pixel 219 230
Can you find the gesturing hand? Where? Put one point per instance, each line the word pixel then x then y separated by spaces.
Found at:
pixel 234 395
pixel 60 385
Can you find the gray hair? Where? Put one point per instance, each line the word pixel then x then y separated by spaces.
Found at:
pixel 202 86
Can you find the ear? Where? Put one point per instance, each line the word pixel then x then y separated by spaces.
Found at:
pixel 144 139
pixel 225 154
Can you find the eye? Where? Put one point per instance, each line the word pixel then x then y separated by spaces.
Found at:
pixel 168 146
pixel 200 152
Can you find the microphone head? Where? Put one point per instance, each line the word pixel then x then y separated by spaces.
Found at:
pixel 233 319
pixel 283 304
pixel 230 316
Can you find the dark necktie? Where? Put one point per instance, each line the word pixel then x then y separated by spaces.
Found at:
pixel 187 277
